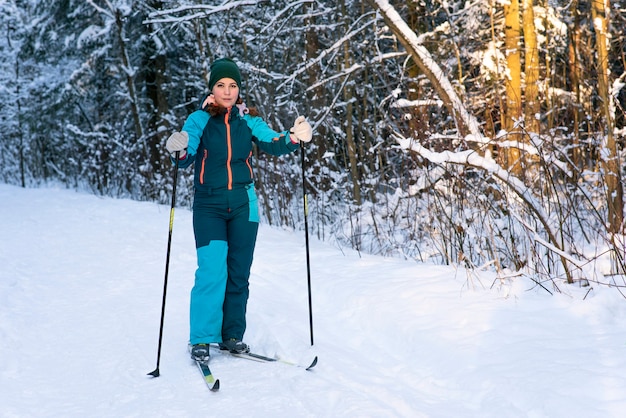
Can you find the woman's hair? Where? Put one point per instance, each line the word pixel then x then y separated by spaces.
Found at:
pixel 215 109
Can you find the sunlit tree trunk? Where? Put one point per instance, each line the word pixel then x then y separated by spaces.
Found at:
pixel 574 74
pixel 513 91
pixel 610 160
pixel 532 106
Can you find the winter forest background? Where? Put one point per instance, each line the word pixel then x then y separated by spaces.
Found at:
pixel 483 133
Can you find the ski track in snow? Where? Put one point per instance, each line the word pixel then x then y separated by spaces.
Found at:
pixel 81 281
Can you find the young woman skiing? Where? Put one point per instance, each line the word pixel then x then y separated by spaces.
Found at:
pixel 218 139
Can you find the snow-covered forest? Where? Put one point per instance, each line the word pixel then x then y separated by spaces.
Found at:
pixel 483 133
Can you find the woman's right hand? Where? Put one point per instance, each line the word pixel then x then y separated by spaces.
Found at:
pixel 178 141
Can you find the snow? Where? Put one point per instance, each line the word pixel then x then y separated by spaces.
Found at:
pixel 89 34
pixel 81 281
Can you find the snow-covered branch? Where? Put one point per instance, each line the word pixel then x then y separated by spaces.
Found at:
pixel 354 68
pixel 280 13
pixel 425 61
pixel 110 13
pixel 186 13
pixel 324 54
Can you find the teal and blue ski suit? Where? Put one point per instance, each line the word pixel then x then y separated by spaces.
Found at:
pixel 225 217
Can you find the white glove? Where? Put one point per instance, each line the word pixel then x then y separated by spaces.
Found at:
pixel 302 129
pixel 178 141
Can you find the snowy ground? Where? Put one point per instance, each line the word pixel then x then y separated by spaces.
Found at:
pixel 81 282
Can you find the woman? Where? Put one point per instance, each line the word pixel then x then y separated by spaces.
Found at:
pixel 219 140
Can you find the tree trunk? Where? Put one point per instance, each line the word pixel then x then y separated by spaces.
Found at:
pixel 610 159
pixel 155 65
pixel 20 131
pixel 574 73
pixel 130 79
pixel 350 143
pixel 513 91
pixel 532 106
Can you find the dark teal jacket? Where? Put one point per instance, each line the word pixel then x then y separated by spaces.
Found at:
pixel 221 147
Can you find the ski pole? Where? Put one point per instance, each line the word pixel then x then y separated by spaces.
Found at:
pixel 306 238
pixel 155 372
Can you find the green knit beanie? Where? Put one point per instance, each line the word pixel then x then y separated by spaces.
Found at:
pixel 224 68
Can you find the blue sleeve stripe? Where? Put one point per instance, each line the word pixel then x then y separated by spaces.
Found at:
pixel 194 126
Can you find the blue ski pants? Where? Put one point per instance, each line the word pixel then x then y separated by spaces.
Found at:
pixel 225 224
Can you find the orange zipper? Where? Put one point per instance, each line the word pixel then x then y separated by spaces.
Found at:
pixel 230 151
pixel 204 156
pixel 248 163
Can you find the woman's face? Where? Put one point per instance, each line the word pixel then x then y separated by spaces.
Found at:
pixel 226 92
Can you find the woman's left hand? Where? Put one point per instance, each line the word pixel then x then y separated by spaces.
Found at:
pixel 302 130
